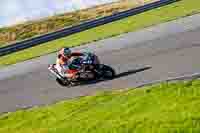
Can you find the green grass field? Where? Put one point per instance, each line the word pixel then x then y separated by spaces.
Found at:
pixel 161 108
pixel 159 15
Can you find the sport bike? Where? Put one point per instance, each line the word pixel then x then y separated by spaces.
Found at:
pixel 88 70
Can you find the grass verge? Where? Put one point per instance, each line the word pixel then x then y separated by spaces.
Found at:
pixel 159 15
pixel 163 108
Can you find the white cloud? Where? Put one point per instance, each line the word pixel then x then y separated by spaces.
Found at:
pixel 16 11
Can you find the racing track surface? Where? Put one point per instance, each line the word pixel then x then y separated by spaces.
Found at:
pixel 167 50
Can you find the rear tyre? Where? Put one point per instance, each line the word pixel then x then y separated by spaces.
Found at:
pixel 63 82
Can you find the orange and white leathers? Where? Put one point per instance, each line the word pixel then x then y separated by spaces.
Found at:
pixel 62 68
pixel 62 63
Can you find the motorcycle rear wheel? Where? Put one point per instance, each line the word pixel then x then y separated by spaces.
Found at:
pixel 63 82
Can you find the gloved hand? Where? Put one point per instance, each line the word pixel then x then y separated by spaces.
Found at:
pixel 87 58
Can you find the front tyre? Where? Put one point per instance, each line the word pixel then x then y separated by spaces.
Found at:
pixel 108 72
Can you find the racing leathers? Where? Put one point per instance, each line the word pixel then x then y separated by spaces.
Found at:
pixel 63 62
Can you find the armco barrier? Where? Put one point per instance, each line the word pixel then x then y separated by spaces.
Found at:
pixel 84 26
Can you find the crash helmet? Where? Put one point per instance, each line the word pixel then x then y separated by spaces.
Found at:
pixel 66 52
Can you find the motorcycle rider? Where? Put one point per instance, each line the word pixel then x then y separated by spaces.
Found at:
pixel 64 58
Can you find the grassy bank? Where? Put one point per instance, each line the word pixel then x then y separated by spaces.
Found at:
pixel 163 14
pixel 163 108
pixel 34 28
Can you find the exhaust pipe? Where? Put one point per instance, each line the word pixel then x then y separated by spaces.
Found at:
pixel 55 73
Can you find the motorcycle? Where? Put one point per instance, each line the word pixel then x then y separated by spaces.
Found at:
pixel 88 70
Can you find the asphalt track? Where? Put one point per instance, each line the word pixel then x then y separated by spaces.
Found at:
pixel 156 53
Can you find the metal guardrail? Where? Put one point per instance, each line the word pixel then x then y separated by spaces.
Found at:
pixel 84 26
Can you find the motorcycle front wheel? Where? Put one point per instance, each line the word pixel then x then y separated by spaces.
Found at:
pixel 108 72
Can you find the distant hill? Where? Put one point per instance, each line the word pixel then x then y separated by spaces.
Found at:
pixel 50 24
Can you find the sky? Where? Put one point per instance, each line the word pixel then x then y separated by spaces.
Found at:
pixel 18 11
